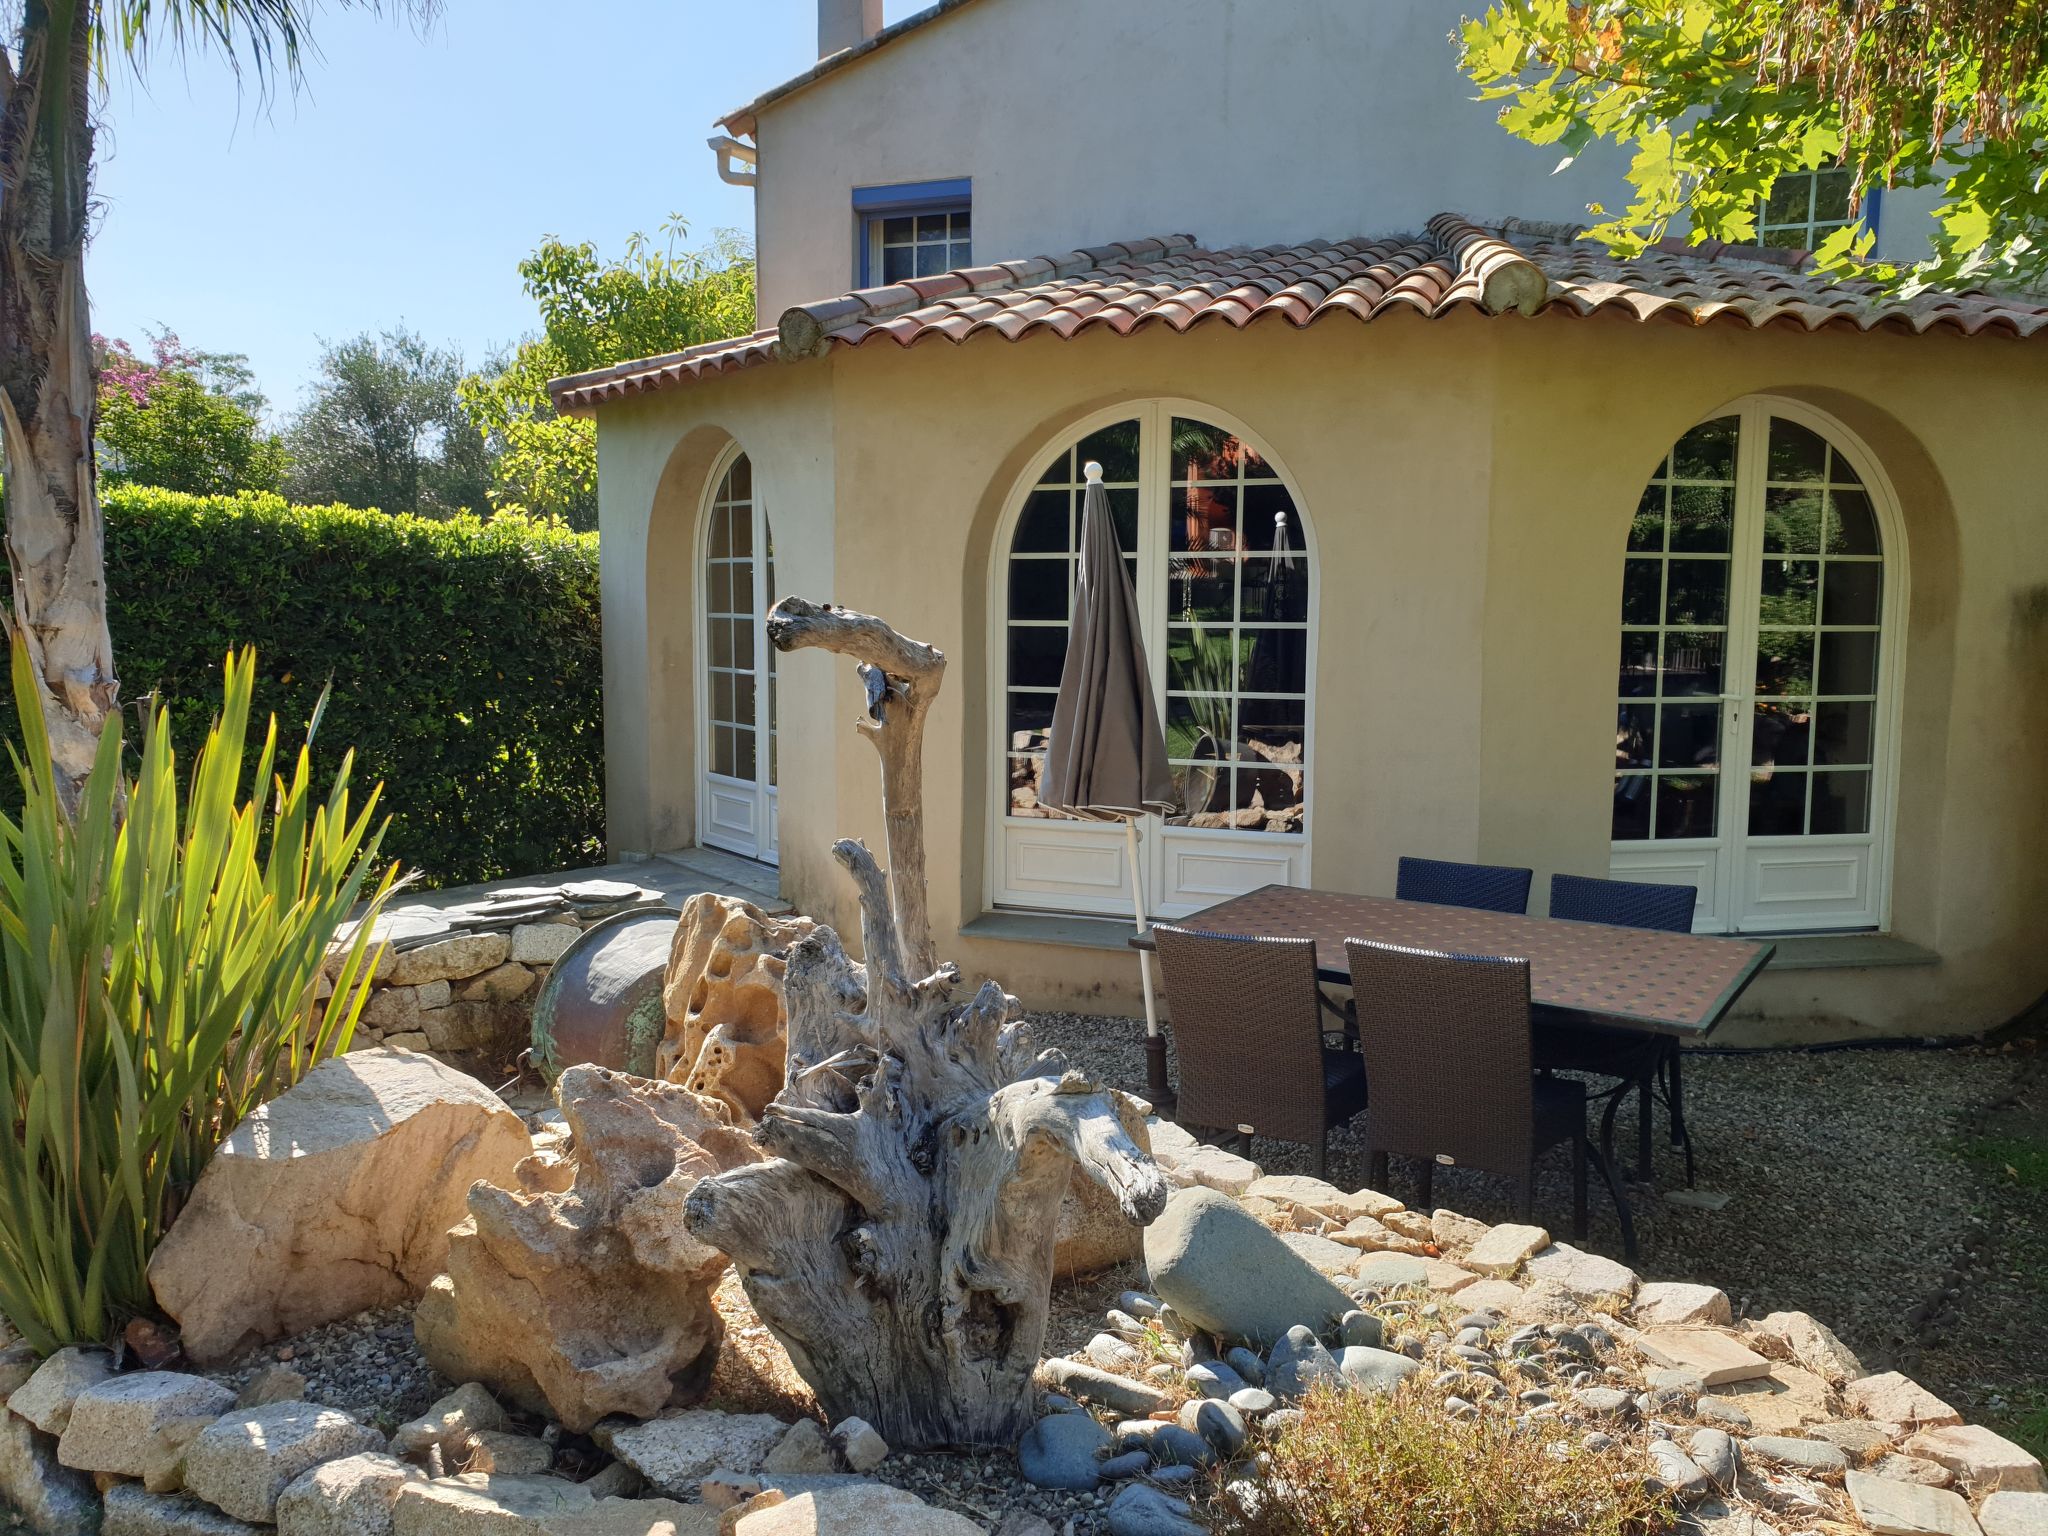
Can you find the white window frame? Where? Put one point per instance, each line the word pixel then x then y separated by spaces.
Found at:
pixel 1733 868
pixel 736 815
pixel 1053 865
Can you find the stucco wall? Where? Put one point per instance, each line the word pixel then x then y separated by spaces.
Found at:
pixel 1470 483
pixel 1237 121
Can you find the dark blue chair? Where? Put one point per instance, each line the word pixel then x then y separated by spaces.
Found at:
pixel 1486 887
pixel 1648 1063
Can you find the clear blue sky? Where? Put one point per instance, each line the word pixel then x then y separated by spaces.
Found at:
pixel 410 174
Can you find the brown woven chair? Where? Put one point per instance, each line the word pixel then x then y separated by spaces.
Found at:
pixel 1247 1027
pixel 1447 1048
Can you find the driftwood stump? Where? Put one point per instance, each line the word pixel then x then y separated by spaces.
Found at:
pixel 899 1242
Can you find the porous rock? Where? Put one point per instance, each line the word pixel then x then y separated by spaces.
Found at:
pixel 45 1399
pixel 675 1451
pixel 449 1423
pixel 728 1024
pixel 1808 1341
pixel 138 1425
pixel 350 1496
pixel 242 1462
pixel 1217 1267
pixel 1668 1303
pixel 334 1197
pixel 596 1299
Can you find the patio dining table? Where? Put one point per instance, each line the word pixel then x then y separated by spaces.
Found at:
pixel 1639 981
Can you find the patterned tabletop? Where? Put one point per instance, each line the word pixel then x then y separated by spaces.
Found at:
pixel 1671 983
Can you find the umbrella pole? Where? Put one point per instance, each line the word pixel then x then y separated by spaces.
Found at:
pixel 1157 1088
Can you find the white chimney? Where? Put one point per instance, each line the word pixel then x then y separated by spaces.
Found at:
pixel 846 24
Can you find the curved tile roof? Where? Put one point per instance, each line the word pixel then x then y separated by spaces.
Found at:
pixel 1173 282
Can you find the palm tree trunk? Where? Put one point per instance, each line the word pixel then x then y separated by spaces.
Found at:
pixel 55 542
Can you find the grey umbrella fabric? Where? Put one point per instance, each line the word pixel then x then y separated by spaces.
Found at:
pixel 1106 756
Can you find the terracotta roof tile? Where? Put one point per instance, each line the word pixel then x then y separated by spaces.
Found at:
pixel 1133 285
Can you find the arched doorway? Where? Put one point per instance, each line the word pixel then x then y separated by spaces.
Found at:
pixel 736 783
pixel 1223 564
pixel 1760 640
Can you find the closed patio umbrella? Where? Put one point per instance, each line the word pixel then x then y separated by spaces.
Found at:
pixel 1106 756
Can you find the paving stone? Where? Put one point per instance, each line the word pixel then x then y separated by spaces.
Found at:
pixel 134 1425
pixel 1717 1358
pixel 1897 1399
pixel 1328 1257
pixel 2007 1513
pixel 1907 1509
pixel 1811 1343
pixel 1815 1458
pixel 1587 1276
pixel 478 1504
pixel 1985 1461
pixel 1504 1249
pixel 674 1451
pixel 352 1496
pixel 1389 1271
pixel 132 1510
pixel 1453 1233
pixel 1859 1437
pixel 1783 1401
pixel 1666 1303
pixel 1901 1468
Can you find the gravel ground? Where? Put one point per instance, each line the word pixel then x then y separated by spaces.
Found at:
pixel 367 1364
pixel 1849 1197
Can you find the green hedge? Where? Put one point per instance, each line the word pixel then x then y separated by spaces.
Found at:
pixel 464 656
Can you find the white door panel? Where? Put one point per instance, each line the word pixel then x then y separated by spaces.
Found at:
pixel 736 670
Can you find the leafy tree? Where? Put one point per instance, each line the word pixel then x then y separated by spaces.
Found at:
pixel 385 427
pixel 1718 98
pixel 187 421
pixel 51 53
pixel 595 312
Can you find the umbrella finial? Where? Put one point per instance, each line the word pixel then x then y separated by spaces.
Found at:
pixel 1092 472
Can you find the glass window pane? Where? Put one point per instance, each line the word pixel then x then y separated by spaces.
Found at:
pixel 1853 592
pixel 1061 469
pixel 721 642
pixel 1702 518
pixel 1634 729
pixel 1200 591
pixel 1631 807
pixel 1852 526
pixel 1277 663
pixel 1646 533
pixel 1784 662
pixel 931 260
pixel 1790 590
pixel 1781 735
pixel 1638 663
pixel 1642 584
pixel 742 578
pixel 1841 803
pixel 1797 453
pixel 721 696
pixel 1200 660
pixel 1690 736
pixel 1025 773
pixel 1198 727
pixel 1692 662
pixel 743 531
pixel 743 644
pixel 1123 516
pixel 1203 518
pixel 1036 656
pixel 899 229
pixel 1028 720
pixel 1845 731
pixel 1790 200
pixel 743 753
pixel 721 750
pixel 1045 523
pixel 1686 804
pixel 1831 191
pixel 1115 448
pixel 1707 452
pixel 1792 521
pixel 1777 804
pixel 1696 592
pixel 1791 237
pixel 1038 589
pixel 721 532
pixel 1205 793
pixel 743 699
pixel 1848 663
pixel 1268 520
pixel 718 587
pixel 898 262
pixel 1202 451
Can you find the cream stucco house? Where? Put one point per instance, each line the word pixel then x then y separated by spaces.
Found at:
pixel 1454 536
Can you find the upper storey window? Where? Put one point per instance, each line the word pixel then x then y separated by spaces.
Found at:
pixel 912 229
pixel 1805 207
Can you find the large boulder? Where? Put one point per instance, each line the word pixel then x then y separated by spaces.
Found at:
pixel 1218 1267
pixel 591 1300
pixel 727 1022
pixel 335 1196
pixel 1093 1232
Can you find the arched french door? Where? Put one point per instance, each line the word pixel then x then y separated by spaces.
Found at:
pixel 1223 566
pixel 736 787
pixel 1760 640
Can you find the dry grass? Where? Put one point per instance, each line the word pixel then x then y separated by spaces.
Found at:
pixel 1361 1464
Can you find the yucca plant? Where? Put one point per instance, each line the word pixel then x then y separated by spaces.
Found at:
pixel 159 954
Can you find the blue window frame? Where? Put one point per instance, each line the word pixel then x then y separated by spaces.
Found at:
pixel 913 229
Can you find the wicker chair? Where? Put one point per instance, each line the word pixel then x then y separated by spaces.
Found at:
pixel 1650 1064
pixel 1247 1027
pixel 1488 887
pixel 1447 1047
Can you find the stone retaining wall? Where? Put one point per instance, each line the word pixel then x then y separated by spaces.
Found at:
pixel 460 981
